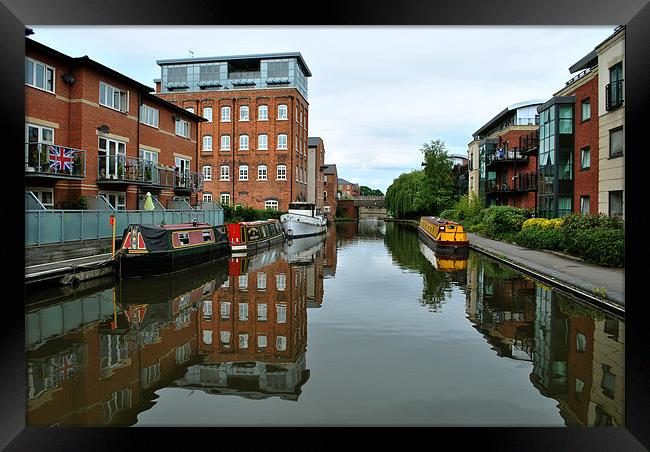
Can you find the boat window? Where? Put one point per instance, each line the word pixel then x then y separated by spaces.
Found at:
pixel 242 233
pixel 264 231
pixel 253 234
pixel 450 227
pixel 184 238
pixel 207 236
pixel 272 228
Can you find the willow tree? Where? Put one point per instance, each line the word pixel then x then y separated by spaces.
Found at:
pixel 404 196
pixel 438 193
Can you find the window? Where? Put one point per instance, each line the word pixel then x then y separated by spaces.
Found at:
pixel 281 311
pixel 261 341
pixel 243 113
pixel 281 343
pixel 224 199
pixel 224 336
pixel 281 281
pixel 586 109
pixel 282 172
pixel 207 143
pixel 207 197
pixel 44 195
pixel 261 281
pixel 616 142
pixel 243 282
pixel 262 142
pixel 282 112
pixel 282 141
pixel 261 312
pixel 584 205
pixel 243 172
pixel 616 203
pixel 207 113
pixel 297 175
pixel 182 165
pixel 243 341
pixel 263 113
pixel 296 114
pixel 224 173
pixel 225 142
pixel 207 337
pixel 116 199
pixel 39 75
pixel 112 97
pixel 111 154
pixel 608 383
pixel 225 114
pixel 243 311
pixel 261 172
pixel 35 134
pixel 184 238
pixel 271 204
pixel 243 142
pixel 148 116
pixel 585 158
pixel 207 172
pixel 182 128
pixel 579 386
pixel 207 309
pixel 581 342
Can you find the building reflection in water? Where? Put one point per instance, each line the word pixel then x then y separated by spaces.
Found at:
pixel 577 353
pixel 254 328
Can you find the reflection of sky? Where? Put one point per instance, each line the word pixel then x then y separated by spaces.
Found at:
pixel 377 356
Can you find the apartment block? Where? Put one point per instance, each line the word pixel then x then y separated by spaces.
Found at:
pixel 315 172
pixel 90 130
pixel 254 142
pixel 348 189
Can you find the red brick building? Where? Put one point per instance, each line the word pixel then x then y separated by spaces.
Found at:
pixel 90 130
pixel 254 144
pixel 315 175
pixel 348 189
pixel 330 198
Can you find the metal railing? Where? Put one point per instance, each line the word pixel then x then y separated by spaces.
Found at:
pixel 614 95
pixel 188 180
pixel 54 160
pixel 59 226
pixel 526 182
pixel 494 187
pixel 529 143
pixel 511 155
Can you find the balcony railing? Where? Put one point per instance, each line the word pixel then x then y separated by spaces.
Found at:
pixel 498 187
pixel 122 168
pixel 188 181
pixel 501 155
pixel 529 144
pixel 525 182
pixel 52 160
pixel 614 95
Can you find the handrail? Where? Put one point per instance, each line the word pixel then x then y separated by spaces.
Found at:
pixel 54 159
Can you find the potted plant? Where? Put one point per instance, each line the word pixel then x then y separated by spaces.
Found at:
pixel 147 173
pixel 120 170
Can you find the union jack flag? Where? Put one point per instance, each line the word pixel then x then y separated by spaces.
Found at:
pixel 66 366
pixel 61 159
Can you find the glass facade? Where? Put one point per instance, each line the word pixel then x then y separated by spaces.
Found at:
pixel 555 160
pixel 234 74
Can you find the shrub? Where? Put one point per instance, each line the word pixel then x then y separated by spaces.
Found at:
pixel 539 237
pixel 544 223
pixel 602 246
pixel 245 213
pixel 477 228
pixel 500 219
pixel 573 224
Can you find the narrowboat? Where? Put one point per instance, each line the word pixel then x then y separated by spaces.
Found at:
pixel 444 262
pixel 152 250
pixel 303 220
pixel 444 236
pixel 252 235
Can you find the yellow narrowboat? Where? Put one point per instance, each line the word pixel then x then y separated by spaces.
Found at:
pixel 444 236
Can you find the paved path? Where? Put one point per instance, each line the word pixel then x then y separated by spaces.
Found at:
pixel 56 269
pixel 575 273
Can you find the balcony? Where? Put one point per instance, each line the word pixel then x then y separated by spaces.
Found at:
pixel 613 95
pixel 121 169
pixel 525 182
pixel 501 156
pixel 497 187
pixel 188 182
pixel 54 161
pixel 529 144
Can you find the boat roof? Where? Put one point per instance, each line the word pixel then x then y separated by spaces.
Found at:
pixel 438 220
pixel 174 226
pixel 257 222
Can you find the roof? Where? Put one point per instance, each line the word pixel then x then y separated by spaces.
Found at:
pixel 343 181
pixel 585 62
pixel 254 56
pixel 505 111
pixel 329 169
pixel 172 106
pixel 313 141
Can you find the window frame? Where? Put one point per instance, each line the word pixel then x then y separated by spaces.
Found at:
pixel 284 117
pixel 115 89
pixel 221 173
pixel 243 167
pixel 277 172
pixel 609 202
pixel 204 116
pixel 242 109
pixel 265 146
pixel 225 196
pixel 144 110
pixel 586 198
pixel 266 172
pixel 204 147
pixel 221 146
pixel 228 118
pixel 271 204
pixel 244 146
pixel 206 176
pixel 622 152
pixel 582 165
pixel 266 114
pixel 286 143
pixel 45 68
pixel 184 126
pixel 584 102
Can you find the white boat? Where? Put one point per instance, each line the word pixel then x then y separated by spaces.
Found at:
pixel 304 250
pixel 302 220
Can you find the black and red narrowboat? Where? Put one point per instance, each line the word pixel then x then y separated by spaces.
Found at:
pixel 252 235
pixel 151 250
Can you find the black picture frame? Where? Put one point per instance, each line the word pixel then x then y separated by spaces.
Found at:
pixel 635 14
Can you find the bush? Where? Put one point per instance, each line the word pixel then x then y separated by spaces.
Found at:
pixel 574 224
pixel 602 246
pixel 477 228
pixel 245 213
pixel 504 219
pixel 544 223
pixel 539 237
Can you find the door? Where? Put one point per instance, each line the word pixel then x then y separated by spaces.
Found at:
pixel 112 156
pixel 36 140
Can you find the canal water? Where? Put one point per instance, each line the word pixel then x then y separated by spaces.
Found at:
pixel 366 326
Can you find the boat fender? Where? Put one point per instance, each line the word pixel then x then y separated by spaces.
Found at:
pixel 289 233
pixel 289 242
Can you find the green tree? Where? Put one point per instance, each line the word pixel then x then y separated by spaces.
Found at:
pixel 439 179
pixel 367 191
pixel 404 196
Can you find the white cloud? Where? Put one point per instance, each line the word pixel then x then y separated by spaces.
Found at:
pixel 377 93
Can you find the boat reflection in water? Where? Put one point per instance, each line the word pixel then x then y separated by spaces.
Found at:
pixel 253 332
pixel 99 358
pixel 444 262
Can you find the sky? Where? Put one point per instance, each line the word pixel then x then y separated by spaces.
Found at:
pixel 376 94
